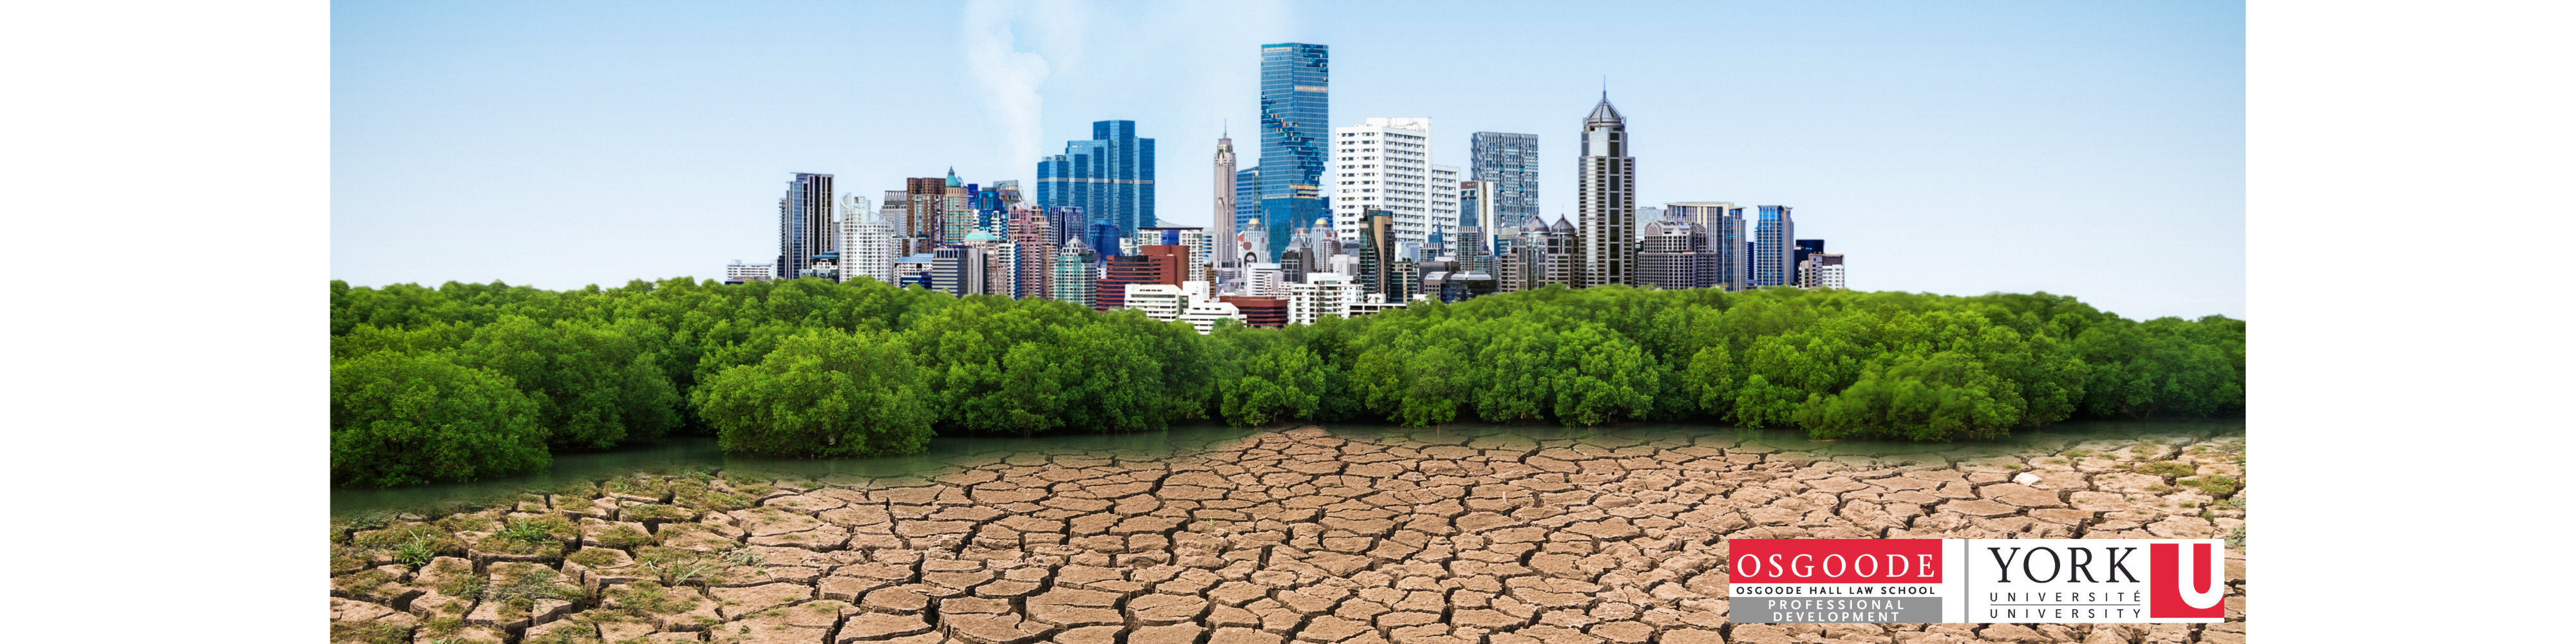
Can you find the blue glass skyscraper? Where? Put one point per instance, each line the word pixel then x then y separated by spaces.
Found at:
pixel 1774 240
pixel 1110 176
pixel 1296 131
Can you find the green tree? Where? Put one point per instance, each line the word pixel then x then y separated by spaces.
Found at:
pixel 594 384
pixel 412 418
pixel 823 392
pixel 1945 396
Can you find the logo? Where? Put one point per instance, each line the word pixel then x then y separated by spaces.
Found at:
pixel 2188 580
pixel 1976 580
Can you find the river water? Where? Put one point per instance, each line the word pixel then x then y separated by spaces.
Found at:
pixel 700 452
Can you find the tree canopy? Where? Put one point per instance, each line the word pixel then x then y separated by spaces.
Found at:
pixel 812 368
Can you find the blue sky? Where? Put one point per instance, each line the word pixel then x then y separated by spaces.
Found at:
pixel 2088 149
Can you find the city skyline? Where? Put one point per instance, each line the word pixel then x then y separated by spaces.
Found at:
pixel 1920 227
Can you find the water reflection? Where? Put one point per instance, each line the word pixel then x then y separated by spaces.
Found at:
pixel 700 453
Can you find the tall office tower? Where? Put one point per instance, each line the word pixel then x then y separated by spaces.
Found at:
pixel 1798 254
pixel 1774 239
pixel 1444 204
pixel 1386 165
pixel 1722 225
pixel 1510 161
pixel 1070 224
pixel 1035 235
pixel 804 223
pixel 1111 176
pixel 1821 270
pixel 956 209
pixel 1606 199
pixel 1223 218
pixel 1480 208
pixel 1295 136
pixel 1247 203
pixel 867 243
pixel 892 210
pixel 1376 252
pixel 1069 278
pixel 923 200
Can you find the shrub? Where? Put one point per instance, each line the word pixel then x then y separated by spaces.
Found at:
pixel 408 419
pixel 821 393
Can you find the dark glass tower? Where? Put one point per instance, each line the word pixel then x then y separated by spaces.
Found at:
pixel 1110 176
pixel 1296 130
pixel 1511 162
pixel 804 223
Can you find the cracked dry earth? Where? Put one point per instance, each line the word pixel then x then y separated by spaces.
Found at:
pixel 1292 536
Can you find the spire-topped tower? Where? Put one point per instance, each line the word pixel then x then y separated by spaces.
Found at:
pixel 1606 199
pixel 1224 215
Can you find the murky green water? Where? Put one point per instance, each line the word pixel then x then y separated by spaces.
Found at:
pixel 699 452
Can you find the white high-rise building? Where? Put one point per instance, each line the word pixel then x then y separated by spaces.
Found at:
pixel 867 241
pixel 1386 165
pixel 1229 257
pixel 1322 294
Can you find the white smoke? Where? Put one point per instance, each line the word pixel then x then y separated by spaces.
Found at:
pixel 1008 76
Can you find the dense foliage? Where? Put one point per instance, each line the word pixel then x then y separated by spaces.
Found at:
pixel 812 368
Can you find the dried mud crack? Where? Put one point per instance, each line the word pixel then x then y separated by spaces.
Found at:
pixel 1290 536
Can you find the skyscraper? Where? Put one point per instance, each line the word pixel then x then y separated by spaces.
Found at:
pixel 923 200
pixel 1606 199
pixel 956 209
pixel 1479 209
pixel 1386 165
pixel 1247 210
pixel 1798 254
pixel 1723 224
pixel 804 223
pixel 1111 176
pixel 867 242
pixel 1511 162
pixel 1223 217
pixel 1295 136
pixel 1774 236
pixel 1377 253
pixel 1069 279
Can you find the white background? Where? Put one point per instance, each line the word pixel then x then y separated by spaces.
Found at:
pixel 166 194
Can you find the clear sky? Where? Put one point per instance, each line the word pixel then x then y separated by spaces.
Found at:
pixel 2090 149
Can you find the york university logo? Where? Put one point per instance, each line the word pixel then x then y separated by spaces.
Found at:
pixel 2187 579
pixel 1977 580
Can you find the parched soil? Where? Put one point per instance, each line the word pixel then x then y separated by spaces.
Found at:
pixel 1290 536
